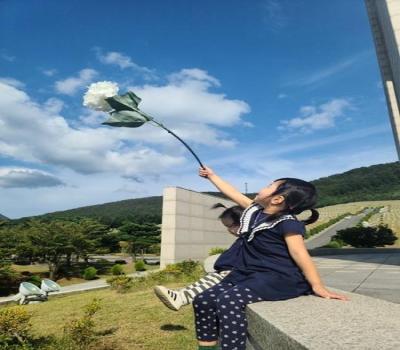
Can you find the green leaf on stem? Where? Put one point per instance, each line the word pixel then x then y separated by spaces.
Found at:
pixel 128 101
pixel 130 119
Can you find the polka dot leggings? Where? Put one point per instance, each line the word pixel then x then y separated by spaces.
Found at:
pixel 220 315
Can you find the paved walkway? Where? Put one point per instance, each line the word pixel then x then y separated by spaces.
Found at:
pixel 375 275
pixel 324 237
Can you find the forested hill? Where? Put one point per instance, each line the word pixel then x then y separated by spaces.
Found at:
pixel 377 182
pixel 373 183
pixel 114 213
pixel 3 218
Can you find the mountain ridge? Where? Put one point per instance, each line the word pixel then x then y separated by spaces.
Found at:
pixel 375 182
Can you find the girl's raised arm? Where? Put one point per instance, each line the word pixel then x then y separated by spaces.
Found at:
pixel 227 189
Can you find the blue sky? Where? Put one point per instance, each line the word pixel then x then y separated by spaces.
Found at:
pixel 260 90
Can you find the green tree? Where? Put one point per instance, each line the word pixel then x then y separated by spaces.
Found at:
pixel 53 241
pixel 141 236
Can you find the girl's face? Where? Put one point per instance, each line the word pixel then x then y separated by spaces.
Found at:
pixel 264 197
pixel 230 225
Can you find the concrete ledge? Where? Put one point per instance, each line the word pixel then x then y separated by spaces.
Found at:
pixel 345 251
pixel 314 323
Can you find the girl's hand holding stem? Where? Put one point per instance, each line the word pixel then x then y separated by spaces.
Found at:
pixel 206 172
pixel 227 189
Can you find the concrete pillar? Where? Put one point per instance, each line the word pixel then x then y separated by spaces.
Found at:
pixel 190 228
pixel 384 17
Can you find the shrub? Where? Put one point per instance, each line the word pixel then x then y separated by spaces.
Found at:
pixel 121 284
pixel 36 280
pixel 368 237
pixel 117 270
pixel 81 331
pixel 154 249
pixel 14 325
pixel 139 265
pixel 187 266
pixel 183 272
pixel 333 244
pixel 90 273
pixel 184 267
pixel 216 250
pixel 9 280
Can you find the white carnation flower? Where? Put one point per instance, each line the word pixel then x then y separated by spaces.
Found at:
pixel 94 97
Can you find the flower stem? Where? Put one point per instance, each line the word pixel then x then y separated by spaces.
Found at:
pixel 187 146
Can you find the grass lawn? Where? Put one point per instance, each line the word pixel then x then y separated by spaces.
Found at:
pixel 130 268
pixel 44 268
pixel 135 320
pixel 35 268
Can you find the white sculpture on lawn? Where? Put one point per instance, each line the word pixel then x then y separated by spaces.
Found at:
pixel 29 293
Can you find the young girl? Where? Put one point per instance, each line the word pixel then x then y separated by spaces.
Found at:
pixel 175 299
pixel 272 263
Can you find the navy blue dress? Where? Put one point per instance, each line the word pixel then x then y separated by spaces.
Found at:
pixel 260 259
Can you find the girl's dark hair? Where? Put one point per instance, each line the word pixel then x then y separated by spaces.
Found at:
pixel 299 196
pixel 234 213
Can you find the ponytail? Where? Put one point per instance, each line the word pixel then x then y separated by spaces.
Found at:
pixel 234 213
pixel 218 205
pixel 313 218
pixel 299 196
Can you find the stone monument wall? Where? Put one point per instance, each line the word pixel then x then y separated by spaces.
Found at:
pixel 190 228
pixel 384 17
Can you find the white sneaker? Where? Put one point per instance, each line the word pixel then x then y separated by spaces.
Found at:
pixel 169 297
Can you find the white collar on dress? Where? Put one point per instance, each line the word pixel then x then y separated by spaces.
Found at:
pixel 247 216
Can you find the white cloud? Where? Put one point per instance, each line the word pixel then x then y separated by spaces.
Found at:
pixel 241 167
pixel 324 73
pixel 27 178
pixel 12 82
pixel 285 149
pixel 274 14
pixel 119 161
pixel 49 72
pixel 247 124
pixel 124 62
pixel 38 133
pixel 54 105
pixel 71 85
pixel 317 117
pixel 34 133
pixel 312 78
pixel 186 98
pixel 281 96
pixel 257 168
pixel 6 56
pixel 92 118
pixel 191 75
pixel 187 107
